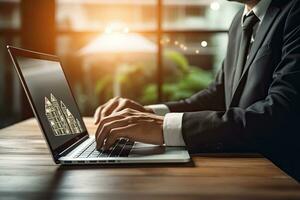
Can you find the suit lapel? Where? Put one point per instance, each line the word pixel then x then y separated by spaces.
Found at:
pixel 270 16
pixel 233 49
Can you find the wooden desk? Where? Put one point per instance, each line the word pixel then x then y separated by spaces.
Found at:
pixel 28 172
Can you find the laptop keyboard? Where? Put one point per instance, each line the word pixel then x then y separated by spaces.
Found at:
pixel 121 148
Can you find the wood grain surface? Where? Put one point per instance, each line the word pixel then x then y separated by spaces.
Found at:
pixel 28 172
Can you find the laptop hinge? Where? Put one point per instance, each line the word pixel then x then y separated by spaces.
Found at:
pixel 73 146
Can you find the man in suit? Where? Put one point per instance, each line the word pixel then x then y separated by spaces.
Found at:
pixel 253 104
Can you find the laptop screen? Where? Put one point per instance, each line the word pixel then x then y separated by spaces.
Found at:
pixel 52 99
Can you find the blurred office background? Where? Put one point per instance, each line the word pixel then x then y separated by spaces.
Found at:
pixel 147 50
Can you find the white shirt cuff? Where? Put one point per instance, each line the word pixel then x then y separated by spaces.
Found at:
pixel 172 129
pixel 159 109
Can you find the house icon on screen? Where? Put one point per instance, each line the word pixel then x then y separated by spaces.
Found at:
pixel 61 120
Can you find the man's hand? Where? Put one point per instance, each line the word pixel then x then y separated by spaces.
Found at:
pixel 115 105
pixel 131 124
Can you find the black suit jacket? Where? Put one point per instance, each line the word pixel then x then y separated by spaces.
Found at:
pixel 263 113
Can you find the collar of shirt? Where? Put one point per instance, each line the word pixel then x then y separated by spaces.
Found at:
pixel 259 10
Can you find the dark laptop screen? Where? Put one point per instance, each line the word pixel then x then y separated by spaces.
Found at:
pixel 52 99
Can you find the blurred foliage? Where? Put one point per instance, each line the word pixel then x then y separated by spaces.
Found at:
pixel 190 80
pixel 193 81
pixel 102 86
pixel 178 59
pixel 138 80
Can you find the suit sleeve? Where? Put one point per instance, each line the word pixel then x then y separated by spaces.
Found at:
pixel 212 98
pixel 261 124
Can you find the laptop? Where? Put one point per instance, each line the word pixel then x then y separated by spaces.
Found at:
pixel 55 108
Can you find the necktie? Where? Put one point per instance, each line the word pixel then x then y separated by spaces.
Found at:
pixel 248 24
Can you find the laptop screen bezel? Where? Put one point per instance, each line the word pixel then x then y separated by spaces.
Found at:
pixel 18 52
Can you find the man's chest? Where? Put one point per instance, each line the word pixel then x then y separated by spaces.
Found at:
pixel 264 56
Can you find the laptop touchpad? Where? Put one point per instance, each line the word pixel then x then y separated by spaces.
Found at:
pixel 141 149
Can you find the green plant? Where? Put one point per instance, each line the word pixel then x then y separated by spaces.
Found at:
pixel 190 80
pixel 138 80
pixel 193 81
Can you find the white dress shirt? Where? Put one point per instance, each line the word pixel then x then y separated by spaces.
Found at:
pixel 171 126
pixel 173 121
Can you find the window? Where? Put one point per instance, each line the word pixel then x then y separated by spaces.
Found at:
pixel 194 37
pixel 114 45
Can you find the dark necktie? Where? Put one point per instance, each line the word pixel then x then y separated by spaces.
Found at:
pixel 248 24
